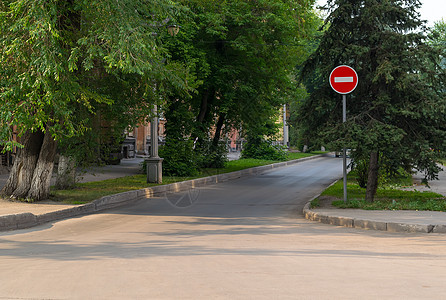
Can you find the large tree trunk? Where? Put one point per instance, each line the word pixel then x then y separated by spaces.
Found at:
pixel 40 185
pixel 31 173
pixel 20 177
pixel 372 180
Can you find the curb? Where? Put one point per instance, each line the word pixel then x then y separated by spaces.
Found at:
pixel 27 220
pixel 370 224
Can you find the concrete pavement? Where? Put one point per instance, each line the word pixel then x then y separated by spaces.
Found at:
pixel 16 215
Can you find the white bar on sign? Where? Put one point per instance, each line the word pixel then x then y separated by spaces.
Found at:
pixel 343 79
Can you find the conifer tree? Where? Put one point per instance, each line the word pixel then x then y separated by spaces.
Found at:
pixel 396 116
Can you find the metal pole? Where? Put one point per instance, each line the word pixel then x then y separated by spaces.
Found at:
pixel 344 157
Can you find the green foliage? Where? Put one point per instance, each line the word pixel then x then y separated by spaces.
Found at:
pixel 361 170
pixel 437 38
pixel 260 142
pixel 407 201
pixel 178 152
pixel 179 158
pixel 241 54
pixel 386 177
pixel 74 67
pixel 214 156
pixel 297 130
pixel 263 149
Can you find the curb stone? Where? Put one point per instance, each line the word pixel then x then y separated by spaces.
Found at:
pixel 27 220
pixel 17 221
pixel 369 224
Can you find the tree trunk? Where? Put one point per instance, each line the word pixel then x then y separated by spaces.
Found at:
pixel 66 173
pixel 22 171
pixel 31 173
pixel 205 105
pixel 40 185
pixel 206 100
pixel 220 122
pixel 372 180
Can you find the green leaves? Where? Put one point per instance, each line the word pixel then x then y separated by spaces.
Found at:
pixel 63 61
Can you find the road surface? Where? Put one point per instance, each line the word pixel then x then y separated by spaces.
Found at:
pixel 244 239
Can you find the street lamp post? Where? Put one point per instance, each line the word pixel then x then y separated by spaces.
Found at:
pixel 155 163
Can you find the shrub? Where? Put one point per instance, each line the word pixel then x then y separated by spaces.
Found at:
pixel 179 159
pixel 263 149
pixel 214 156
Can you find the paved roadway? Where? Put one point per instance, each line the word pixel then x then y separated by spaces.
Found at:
pixel 244 239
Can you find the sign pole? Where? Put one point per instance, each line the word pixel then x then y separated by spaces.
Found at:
pixel 344 157
pixel 343 79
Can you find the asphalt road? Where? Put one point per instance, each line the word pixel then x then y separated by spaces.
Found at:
pixel 244 239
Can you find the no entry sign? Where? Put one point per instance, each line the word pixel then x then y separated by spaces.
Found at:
pixel 343 79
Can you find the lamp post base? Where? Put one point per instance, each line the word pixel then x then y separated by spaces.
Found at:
pixel 154 170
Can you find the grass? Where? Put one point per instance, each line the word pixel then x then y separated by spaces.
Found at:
pixel 87 192
pixel 297 155
pixel 388 197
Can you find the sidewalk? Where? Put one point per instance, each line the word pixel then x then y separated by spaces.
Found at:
pixel 392 221
pixel 126 168
pixel 30 214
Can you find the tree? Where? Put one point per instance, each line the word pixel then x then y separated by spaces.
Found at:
pixel 242 54
pixel 396 115
pixel 297 137
pixel 63 62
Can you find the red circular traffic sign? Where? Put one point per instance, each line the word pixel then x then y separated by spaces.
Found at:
pixel 343 79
